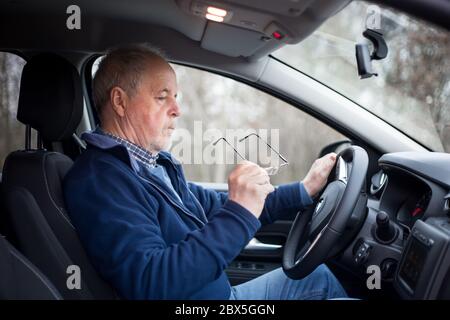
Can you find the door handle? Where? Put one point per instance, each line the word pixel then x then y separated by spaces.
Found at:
pixel 255 244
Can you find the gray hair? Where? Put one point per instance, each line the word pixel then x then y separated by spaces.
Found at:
pixel 122 67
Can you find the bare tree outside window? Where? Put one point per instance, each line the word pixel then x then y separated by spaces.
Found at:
pixel 412 90
pixel 12 131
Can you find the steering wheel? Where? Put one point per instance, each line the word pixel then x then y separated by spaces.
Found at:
pixel 319 234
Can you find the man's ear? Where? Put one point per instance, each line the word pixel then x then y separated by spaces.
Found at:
pixel 119 100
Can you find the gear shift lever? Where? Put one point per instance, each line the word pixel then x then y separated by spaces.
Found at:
pixel 385 231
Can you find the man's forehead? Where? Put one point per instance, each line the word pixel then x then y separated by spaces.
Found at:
pixel 158 65
pixel 161 77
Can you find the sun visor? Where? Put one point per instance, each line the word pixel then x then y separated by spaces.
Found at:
pixel 231 41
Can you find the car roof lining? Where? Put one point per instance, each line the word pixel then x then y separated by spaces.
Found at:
pixel 29 24
pixel 41 25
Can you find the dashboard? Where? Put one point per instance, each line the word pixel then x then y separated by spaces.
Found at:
pixel 415 186
pixel 413 190
pixel 405 197
pixel 416 193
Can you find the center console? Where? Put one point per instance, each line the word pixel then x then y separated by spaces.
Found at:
pixel 424 270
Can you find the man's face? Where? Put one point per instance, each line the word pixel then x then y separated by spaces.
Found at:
pixel 153 109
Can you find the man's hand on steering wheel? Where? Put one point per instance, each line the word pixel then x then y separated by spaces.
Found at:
pixel 319 234
pixel 318 174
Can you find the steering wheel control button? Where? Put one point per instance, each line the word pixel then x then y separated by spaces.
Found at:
pixel 362 253
pixel 319 206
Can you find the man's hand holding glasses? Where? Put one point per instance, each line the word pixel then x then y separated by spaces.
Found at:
pixel 249 185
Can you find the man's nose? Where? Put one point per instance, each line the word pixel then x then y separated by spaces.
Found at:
pixel 175 110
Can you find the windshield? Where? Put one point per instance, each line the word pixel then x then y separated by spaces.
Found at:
pixel 412 89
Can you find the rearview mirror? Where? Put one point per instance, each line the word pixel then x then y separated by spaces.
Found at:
pixel 364 57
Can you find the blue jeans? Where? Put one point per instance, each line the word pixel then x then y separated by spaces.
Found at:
pixel 275 285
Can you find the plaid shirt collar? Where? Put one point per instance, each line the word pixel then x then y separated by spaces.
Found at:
pixel 140 154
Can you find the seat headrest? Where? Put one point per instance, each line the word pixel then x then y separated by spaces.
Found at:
pixel 50 100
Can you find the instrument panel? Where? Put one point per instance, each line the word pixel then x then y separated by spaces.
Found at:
pixel 413 208
pixel 403 196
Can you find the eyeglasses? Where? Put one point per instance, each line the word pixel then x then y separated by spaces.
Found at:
pixel 270 170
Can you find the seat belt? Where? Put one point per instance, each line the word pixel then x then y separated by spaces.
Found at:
pixel 79 142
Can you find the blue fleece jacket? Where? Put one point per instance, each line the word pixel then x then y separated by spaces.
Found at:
pixel 145 241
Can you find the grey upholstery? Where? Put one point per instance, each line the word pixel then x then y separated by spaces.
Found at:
pixel 50 101
pixel 20 279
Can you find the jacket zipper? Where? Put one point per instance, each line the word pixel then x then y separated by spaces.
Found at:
pixel 174 167
pixel 173 202
pixel 199 205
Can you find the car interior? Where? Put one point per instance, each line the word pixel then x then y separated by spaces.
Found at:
pixel 387 203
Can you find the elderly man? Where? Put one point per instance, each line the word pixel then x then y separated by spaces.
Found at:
pixel 148 231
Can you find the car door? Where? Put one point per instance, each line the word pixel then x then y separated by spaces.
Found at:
pixel 215 107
